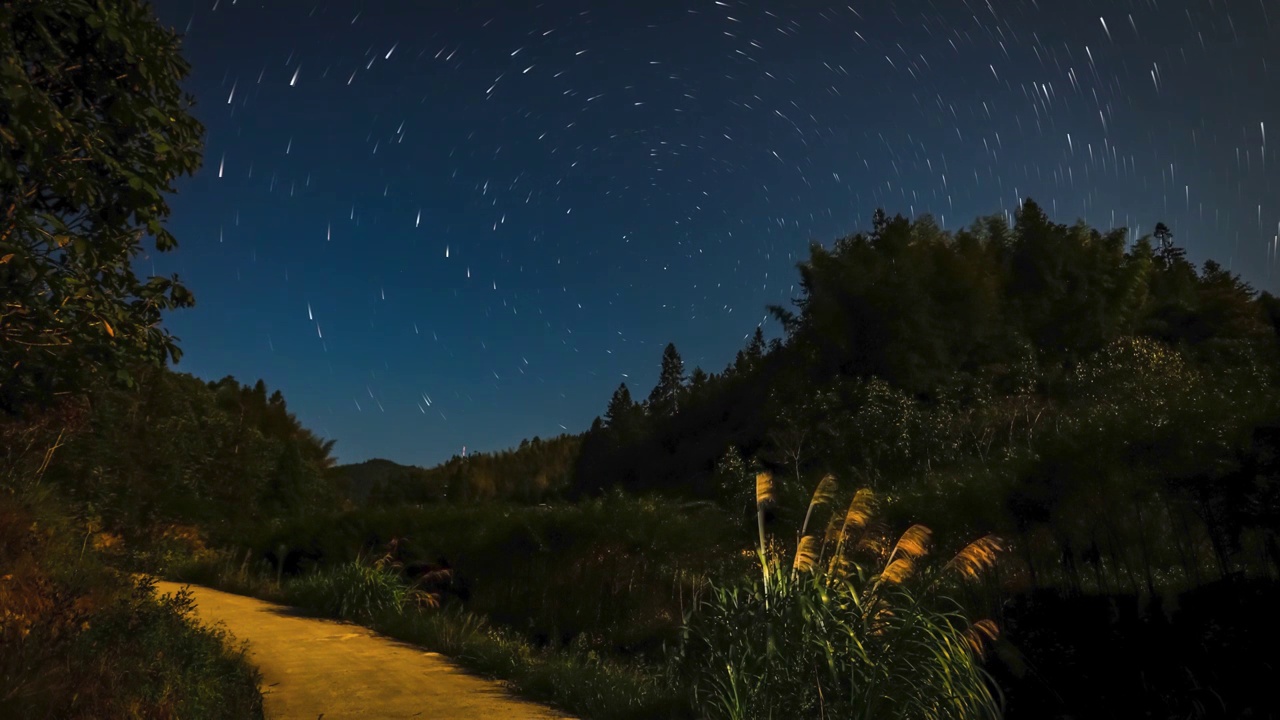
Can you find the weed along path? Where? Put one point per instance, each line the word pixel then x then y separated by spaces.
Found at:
pixel 313 668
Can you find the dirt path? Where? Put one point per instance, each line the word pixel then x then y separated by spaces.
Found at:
pixel 315 668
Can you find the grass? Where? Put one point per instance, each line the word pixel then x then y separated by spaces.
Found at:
pixel 852 627
pixel 353 591
pixel 81 640
pixel 617 574
pixel 577 678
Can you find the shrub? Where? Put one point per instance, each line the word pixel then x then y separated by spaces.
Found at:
pixel 79 640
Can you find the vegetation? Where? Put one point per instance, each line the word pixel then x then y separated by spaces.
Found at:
pixel 81 640
pixel 1107 408
pixel 616 574
pixel 852 626
pixel 580 678
pixel 174 449
pixel 538 470
pixel 94 129
pixel 1130 471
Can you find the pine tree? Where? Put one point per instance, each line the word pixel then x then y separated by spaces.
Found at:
pixel 621 409
pixel 699 379
pixel 664 401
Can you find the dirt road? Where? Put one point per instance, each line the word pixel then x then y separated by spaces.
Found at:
pixel 315 668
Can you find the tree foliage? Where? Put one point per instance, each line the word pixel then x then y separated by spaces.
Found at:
pixel 664 400
pixel 94 128
pixel 175 449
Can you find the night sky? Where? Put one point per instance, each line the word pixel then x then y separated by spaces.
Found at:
pixel 437 224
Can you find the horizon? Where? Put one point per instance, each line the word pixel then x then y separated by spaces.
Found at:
pixel 621 178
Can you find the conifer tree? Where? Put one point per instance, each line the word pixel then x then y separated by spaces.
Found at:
pixel 664 401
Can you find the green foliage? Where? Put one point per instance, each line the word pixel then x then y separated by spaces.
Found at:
pixel 804 648
pixel 536 471
pixel 178 450
pixel 734 479
pixel 78 640
pixel 619 571
pixel 352 591
pixel 908 340
pixel 580 678
pixel 577 679
pixel 664 400
pixel 1084 396
pixel 94 128
pixel 841 630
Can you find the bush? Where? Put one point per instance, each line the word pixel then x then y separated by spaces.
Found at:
pixel 78 640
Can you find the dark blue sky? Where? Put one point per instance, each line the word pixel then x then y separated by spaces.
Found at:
pixel 437 224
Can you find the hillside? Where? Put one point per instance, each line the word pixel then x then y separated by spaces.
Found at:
pixel 375 477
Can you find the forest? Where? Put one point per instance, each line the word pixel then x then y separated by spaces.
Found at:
pixel 1023 469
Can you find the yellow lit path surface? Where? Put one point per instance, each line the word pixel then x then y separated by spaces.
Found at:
pixel 314 668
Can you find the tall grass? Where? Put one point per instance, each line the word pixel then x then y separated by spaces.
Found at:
pixel 852 627
pixel 575 678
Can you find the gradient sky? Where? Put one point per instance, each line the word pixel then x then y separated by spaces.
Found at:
pixel 437 224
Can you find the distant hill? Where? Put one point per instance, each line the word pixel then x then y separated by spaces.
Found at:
pixel 533 472
pixel 377 476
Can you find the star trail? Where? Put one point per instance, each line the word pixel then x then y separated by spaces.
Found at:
pixel 444 224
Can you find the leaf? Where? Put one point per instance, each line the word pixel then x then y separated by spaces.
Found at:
pixel 6 258
pixel 110 331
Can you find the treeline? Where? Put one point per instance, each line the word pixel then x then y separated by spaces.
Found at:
pixel 910 315
pixel 535 471
pixel 1108 404
pixel 173 449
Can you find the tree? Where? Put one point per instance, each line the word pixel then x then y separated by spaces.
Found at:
pixel 94 128
pixel 698 380
pixel 878 222
pixel 1269 305
pixel 621 410
pixel 664 401
pixel 1168 250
